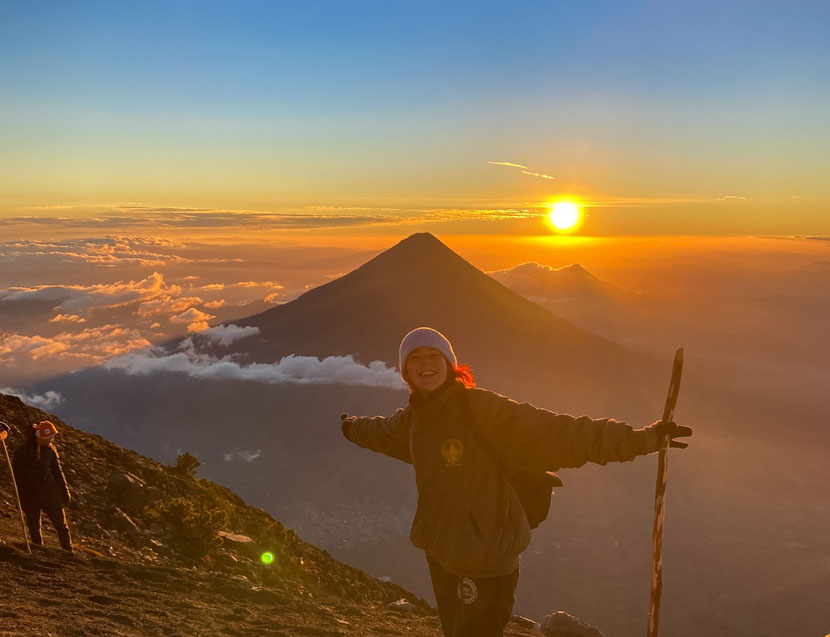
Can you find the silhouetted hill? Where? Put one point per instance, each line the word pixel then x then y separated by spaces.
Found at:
pixel 574 294
pixel 813 279
pixel 571 283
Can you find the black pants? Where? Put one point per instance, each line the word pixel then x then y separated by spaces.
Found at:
pixel 54 510
pixel 473 606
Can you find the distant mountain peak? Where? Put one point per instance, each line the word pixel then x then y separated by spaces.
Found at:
pixel 537 281
pixel 421 237
pixel 532 268
pixel 417 255
pixel 424 242
pixel 574 267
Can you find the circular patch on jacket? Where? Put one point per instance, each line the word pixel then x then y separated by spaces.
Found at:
pixel 467 590
pixel 452 450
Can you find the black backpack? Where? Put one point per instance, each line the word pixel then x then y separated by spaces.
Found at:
pixel 534 488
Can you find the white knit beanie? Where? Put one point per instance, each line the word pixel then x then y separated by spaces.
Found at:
pixel 425 337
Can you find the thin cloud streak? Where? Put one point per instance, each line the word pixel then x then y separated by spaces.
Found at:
pixel 523 169
pixel 639 202
pixel 542 175
pixel 132 217
pixel 506 163
pixel 241 220
pixel 242 454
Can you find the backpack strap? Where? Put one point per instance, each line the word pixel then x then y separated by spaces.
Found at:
pixel 473 427
pixel 555 480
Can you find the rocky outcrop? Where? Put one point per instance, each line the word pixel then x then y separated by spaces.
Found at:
pixel 131 492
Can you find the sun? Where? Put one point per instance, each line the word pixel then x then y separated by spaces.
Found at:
pixel 565 216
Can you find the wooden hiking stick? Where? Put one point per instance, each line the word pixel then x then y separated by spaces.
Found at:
pixel 660 498
pixel 16 494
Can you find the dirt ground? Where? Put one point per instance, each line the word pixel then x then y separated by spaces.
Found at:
pixel 52 593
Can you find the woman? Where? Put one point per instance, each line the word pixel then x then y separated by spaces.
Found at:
pixel 41 483
pixel 462 442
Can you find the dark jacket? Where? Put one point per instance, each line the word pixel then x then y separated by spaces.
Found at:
pixel 469 517
pixel 39 477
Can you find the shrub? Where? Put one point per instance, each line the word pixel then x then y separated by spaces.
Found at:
pixel 193 524
pixel 186 464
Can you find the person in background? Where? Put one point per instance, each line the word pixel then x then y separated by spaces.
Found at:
pixel 41 483
pixel 465 444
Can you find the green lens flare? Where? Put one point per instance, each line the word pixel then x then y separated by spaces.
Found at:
pixel 267 557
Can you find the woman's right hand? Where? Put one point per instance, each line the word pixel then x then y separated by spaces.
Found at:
pixel 345 421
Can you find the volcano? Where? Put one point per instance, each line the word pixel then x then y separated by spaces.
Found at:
pixel 499 333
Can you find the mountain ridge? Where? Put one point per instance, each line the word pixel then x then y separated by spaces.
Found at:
pixel 132 575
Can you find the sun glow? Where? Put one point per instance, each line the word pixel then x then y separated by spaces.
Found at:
pixel 565 216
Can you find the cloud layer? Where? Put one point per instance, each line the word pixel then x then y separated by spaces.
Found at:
pixel 343 370
pixel 46 401
pixel 126 218
pixel 101 251
pixel 90 346
pixel 72 298
pixel 76 302
pixel 118 218
pixel 227 334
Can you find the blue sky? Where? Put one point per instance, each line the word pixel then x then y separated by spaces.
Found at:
pixel 263 104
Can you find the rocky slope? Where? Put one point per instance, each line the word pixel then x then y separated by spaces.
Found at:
pixel 161 552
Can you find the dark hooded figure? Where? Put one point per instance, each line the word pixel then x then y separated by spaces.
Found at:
pixel 41 483
pixel 464 443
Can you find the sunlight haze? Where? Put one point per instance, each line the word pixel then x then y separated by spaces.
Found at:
pixel 219 219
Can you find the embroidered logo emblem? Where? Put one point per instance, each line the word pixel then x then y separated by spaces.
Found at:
pixel 467 590
pixel 452 450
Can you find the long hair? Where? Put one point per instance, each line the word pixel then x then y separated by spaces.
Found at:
pixel 464 374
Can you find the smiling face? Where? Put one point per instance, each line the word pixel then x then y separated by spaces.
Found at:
pixel 426 369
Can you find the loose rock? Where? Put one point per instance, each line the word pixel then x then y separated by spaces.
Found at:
pixel 561 624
